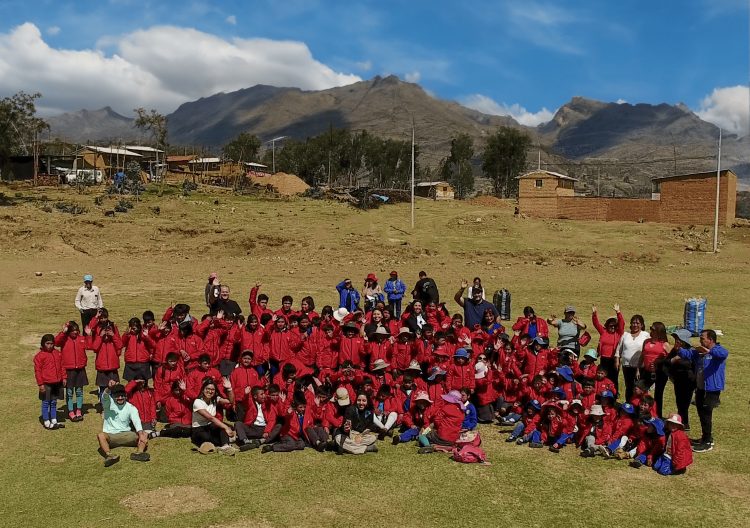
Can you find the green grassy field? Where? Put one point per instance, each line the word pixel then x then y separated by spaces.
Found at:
pixel 142 260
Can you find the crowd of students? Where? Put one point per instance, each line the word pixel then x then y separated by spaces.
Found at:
pixel 347 377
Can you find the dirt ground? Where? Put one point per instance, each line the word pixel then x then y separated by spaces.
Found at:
pixel 148 258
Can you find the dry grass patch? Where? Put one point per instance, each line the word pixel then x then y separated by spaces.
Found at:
pixel 173 500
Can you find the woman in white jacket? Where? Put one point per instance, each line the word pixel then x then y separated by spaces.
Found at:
pixel 628 352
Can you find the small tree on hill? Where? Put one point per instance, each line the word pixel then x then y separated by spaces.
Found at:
pixel 244 147
pixel 156 124
pixel 503 158
pixel 456 168
pixel 19 127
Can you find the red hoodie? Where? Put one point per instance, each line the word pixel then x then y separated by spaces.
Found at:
pixel 255 308
pixel 164 378
pixel 678 447
pixel 243 377
pixel 48 368
pixel 107 352
pixel 351 349
pixel 460 377
pixel 448 421
pixel 522 326
pixel 608 341
pixel 142 399
pixel 178 410
pixel 138 349
pixel 257 341
pixel 382 350
pixel 73 351
pixel 403 354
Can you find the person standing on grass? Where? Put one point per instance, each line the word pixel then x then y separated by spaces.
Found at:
pixel 652 363
pixel 568 329
pixel 50 379
pixel 709 363
pixel 682 375
pixel 88 300
pixel 609 337
pixel 426 290
pixel 395 290
pixel 628 353
pixel 348 296
pixel 73 352
pixel 475 307
pixel 119 417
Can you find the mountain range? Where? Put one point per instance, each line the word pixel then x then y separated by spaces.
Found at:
pixel 629 143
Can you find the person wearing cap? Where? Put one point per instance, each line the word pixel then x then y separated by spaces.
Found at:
pixel 213 289
pixel 598 433
pixel 609 337
pixel 587 367
pixel 348 296
pixel 568 329
pixel 624 431
pixel 682 375
pixel 461 373
pixel 446 424
pixel 628 352
pixel 122 426
pixel 417 419
pixel 379 347
pixel 677 453
pixel 651 444
pixel 475 307
pixel 709 364
pixel 526 425
pixel 88 300
pixel 372 292
pixel 395 289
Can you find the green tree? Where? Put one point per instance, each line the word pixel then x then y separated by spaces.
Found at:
pixel 244 147
pixel 503 158
pixel 19 126
pixel 456 168
pixel 156 124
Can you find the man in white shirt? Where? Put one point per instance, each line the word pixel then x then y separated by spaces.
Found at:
pixel 88 300
pixel 255 429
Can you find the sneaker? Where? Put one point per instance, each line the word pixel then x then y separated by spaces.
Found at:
pixel 425 450
pixel 266 448
pixel 111 460
pixel 536 445
pixel 58 425
pixel 396 440
pixel 153 434
pixel 79 415
pixel 703 448
pixel 140 457
pixel 696 441
pixel 247 446
pixel 227 450
pixel 636 464
pixel 372 448
pixel 519 441
pixel 554 449
pixel 72 416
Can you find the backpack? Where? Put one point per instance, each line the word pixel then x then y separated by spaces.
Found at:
pixel 469 454
pixel 469 438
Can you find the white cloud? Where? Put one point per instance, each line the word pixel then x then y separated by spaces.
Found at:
pixel 231 20
pixel 364 65
pixel 621 101
pixel 728 108
pixel 487 105
pixel 53 30
pixel 160 67
pixel 413 77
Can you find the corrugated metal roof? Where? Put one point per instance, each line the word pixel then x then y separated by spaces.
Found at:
pixel 142 149
pixel 206 160
pixel 432 184
pixel 111 150
pixel 702 174
pixel 550 173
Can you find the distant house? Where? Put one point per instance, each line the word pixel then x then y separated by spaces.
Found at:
pixel 679 199
pixel 437 190
pixel 179 163
pixel 205 164
pixel 148 153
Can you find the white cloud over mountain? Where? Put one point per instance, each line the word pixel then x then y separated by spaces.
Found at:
pixel 728 108
pixel 159 67
pixel 487 105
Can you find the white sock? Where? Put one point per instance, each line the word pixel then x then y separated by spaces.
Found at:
pixel 47 423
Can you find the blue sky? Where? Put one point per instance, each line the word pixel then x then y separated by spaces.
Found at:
pixel 525 58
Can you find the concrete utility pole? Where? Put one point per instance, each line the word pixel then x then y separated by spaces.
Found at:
pixel 412 172
pixel 718 189
pixel 273 150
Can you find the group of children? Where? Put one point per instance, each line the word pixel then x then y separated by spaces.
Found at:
pixel 341 380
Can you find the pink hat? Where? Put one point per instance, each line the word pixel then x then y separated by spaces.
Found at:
pixel 213 275
pixel 422 395
pixel 676 419
pixel 453 396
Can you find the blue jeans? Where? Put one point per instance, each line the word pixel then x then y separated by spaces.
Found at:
pixel 518 430
pixel 395 306
pixel 409 435
pixel 49 410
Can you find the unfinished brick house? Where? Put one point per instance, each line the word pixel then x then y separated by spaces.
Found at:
pixel 681 199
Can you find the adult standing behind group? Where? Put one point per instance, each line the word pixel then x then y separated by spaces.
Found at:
pixel 213 289
pixel 568 329
pixel 348 296
pixel 426 290
pixel 609 337
pixel 225 304
pixel 88 300
pixel 475 307
pixel 628 353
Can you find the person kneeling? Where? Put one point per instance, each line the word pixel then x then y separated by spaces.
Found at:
pixel 119 416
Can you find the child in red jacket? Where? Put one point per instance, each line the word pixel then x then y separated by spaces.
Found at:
pixel 678 454
pixel 528 423
pixel 107 346
pixel 447 424
pixel 73 356
pixel 461 372
pixel 178 409
pixel 651 445
pixel 170 371
pixel 416 419
pixel 296 421
pixel 258 423
pixel 143 399
pixel 49 378
pixel 602 382
pixel 598 433
pixel 625 430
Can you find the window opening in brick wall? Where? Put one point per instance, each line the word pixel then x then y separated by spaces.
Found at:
pixel 538 183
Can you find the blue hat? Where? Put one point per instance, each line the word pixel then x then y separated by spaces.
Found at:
pixel 566 372
pixel 88 278
pixel 535 404
pixel 683 335
pixel 539 340
pixel 608 394
pixel 658 425
pixel 435 372
pixel 628 408
pixel 461 353
pixel 559 391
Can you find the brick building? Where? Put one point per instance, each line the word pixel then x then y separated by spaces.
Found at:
pixel 681 199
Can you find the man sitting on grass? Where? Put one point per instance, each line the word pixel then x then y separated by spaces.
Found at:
pixel 116 431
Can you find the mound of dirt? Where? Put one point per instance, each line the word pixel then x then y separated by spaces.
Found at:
pixel 487 200
pixel 283 183
pixel 173 500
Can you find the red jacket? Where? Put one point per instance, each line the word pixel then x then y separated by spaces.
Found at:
pixel 418 418
pixel 48 368
pixel 192 346
pixel 164 378
pixel 144 400
pixel 138 349
pixel 448 421
pixel 195 381
pixel 608 340
pixel 327 353
pixel 334 415
pixel 213 333
pixel 530 423
pixel 485 389
pixel 382 350
pixel 292 427
pixel 163 345
pixel 602 433
pixel 435 391
pixel 653 447
pixel 522 326
pixel 460 377
pixel 678 447
pixel 305 346
pixel 605 384
pixel 536 363
pixel 587 370
pixel 280 343
pixel 552 429
pixel 73 351
pixel 624 426
pixel 269 413
pixel 107 352
pixel 242 377
pixel 256 341
pixel 255 308
pixel 351 349
pixel 178 410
